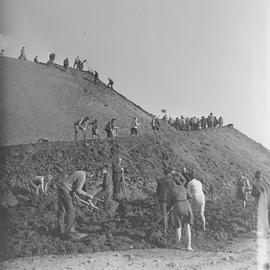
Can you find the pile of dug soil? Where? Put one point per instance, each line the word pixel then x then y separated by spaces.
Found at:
pixel 28 226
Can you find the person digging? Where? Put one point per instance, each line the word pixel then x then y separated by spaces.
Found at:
pixel 72 184
pixel 178 197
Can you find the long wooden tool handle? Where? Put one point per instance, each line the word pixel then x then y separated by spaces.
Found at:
pixel 163 216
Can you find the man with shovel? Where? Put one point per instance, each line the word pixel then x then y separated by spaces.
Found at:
pixel 73 183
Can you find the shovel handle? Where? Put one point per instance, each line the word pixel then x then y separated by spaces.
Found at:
pixel 163 216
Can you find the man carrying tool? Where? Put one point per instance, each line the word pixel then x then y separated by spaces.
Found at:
pixel 178 198
pixel 73 183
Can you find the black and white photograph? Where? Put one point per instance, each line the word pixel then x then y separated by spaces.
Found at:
pixel 134 134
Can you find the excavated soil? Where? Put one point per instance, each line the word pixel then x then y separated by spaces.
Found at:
pixel 28 224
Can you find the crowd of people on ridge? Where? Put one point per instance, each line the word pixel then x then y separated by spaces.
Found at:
pixel 78 64
pixel 194 123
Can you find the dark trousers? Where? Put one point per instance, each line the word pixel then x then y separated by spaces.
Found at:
pixel 66 213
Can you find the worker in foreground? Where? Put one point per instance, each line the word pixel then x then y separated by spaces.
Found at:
pixel 198 199
pixel 261 193
pixel 73 183
pixel 178 197
pixel 162 190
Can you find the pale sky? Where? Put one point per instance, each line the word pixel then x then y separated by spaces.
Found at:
pixel 191 57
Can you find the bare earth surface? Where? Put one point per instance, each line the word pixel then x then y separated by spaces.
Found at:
pixel 242 254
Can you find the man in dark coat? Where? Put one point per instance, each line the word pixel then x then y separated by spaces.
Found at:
pixel 107 185
pixel 117 177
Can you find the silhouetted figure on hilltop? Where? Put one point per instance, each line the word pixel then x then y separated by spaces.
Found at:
pixel 220 121
pixel 51 58
pixel 210 120
pixel 155 123
pixel 96 76
pixel 110 84
pixel 2 53
pixel 80 65
pixel 77 60
pixel 66 64
pixel 36 59
pixel 22 55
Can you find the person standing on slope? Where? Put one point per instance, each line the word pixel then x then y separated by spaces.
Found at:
pixel 22 55
pixel 96 76
pixel 178 198
pixel 73 183
pixel 111 128
pixel 198 198
pixel 66 64
pixel 51 58
pixel 261 193
pixel 117 175
pixel 242 190
pixel 76 62
pixel 94 125
pixel 162 190
pixel 155 123
pixel 134 126
pixel 81 125
pixel 110 83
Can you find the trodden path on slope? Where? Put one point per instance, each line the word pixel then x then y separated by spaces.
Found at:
pixel 242 254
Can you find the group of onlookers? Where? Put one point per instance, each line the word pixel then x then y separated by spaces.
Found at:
pixel 194 123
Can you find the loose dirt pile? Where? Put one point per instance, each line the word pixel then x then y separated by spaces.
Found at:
pixel 28 226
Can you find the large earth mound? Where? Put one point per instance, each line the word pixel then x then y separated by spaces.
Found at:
pixel 44 101
pixel 217 156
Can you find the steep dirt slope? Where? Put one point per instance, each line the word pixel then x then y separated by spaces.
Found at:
pixel 40 101
pixel 217 156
